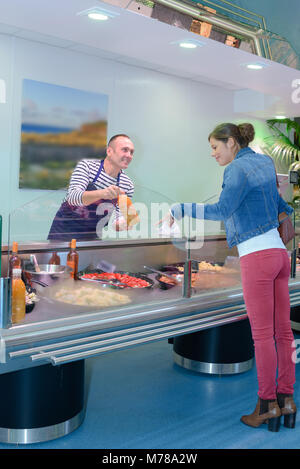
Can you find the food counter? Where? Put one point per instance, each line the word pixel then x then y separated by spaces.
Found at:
pixel 56 337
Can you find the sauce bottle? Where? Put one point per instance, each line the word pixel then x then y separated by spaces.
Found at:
pixel 54 259
pixel 72 259
pixel 18 305
pixel 14 261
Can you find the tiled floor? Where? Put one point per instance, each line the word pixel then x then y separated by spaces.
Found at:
pixel 139 398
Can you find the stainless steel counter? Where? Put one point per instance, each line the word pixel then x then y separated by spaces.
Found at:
pixel 56 334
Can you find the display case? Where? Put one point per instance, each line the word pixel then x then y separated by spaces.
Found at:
pixel 192 297
pixel 74 319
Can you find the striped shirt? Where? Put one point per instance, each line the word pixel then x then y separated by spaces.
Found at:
pixel 85 172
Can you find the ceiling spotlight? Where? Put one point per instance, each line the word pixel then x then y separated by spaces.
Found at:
pixel 98 16
pixel 188 45
pixel 280 117
pixel 254 66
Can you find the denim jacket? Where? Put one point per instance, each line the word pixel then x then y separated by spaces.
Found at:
pixel 249 203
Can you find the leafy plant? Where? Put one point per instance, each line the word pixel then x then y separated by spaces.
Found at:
pixel 279 144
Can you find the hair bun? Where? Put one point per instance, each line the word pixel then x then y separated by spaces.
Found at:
pixel 247 132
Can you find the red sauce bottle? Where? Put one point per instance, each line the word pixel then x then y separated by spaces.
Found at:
pixel 14 261
pixel 72 260
pixel 54 259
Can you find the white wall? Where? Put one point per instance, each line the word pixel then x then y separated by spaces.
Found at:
pixel 168 118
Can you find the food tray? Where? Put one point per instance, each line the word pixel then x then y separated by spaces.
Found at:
pixel 165 285
pixel 114 283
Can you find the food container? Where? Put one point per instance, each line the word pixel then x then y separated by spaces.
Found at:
pixel 65 295
pixel 48 275
pixel 90 275
pixel 178 268
pixel 31 299
pixel 165 285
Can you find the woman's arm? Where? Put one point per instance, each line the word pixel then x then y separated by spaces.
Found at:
pixel 283 206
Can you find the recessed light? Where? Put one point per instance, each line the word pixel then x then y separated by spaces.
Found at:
pixel 255 66
pixel 98 16
pixel 280 117
pixel 188 45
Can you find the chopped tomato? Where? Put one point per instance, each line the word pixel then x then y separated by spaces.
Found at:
pixel 130 281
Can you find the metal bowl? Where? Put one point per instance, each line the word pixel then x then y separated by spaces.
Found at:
pixel 48 274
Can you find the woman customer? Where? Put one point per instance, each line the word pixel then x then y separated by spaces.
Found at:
pixel 249 205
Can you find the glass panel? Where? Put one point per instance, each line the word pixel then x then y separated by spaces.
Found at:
pixel 111 273
pixel 0 244
pixel 116 280
pixel 215 269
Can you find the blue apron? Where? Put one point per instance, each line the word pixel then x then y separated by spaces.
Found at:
pixel 80 222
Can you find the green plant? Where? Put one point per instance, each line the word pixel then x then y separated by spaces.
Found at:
pixel 284 143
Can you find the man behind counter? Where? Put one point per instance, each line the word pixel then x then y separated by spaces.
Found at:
pixel 95 182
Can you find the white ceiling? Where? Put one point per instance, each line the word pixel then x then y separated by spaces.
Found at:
pixel 140 40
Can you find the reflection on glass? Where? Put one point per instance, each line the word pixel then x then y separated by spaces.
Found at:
pixel 0 242
pixel 121 278
pixel 146 215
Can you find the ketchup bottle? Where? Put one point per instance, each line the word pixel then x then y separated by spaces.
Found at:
pixel 72 260
pixel 54 259
pixel 14 261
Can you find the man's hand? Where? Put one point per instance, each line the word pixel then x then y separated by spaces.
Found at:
pixel 110 192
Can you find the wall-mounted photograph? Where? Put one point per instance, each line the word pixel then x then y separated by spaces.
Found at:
pixel 59 127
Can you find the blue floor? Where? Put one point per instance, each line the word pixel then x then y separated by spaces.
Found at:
pixel 139 398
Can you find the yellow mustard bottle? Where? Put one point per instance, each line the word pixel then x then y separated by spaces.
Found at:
pixel 18 306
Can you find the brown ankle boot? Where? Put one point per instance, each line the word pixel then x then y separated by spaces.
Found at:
pixel 288 409
pixel 266 411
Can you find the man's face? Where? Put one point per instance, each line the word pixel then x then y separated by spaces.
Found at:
pixel 120 152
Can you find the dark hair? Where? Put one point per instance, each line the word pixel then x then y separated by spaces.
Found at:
pixel 243 134
pixel 114 137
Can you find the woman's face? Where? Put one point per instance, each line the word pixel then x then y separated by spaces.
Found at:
pixel 223 152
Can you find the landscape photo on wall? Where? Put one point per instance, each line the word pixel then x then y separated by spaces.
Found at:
pixel 59 127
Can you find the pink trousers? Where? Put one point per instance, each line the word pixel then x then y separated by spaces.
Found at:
pixel 265 276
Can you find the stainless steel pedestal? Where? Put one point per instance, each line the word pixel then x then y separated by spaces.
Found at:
pixel 220 350
pixel 41 403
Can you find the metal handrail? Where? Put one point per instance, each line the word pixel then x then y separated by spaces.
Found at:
pixel 216 21
pixel 170 322
pixel 78 356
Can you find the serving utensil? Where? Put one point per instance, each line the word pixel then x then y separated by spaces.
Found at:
pixel 116 283
pixel 35 263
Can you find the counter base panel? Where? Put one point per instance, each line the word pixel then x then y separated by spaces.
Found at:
pixel 213 368
pixel 41 403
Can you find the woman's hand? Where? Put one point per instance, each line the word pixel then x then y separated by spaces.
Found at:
pixel 168 218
